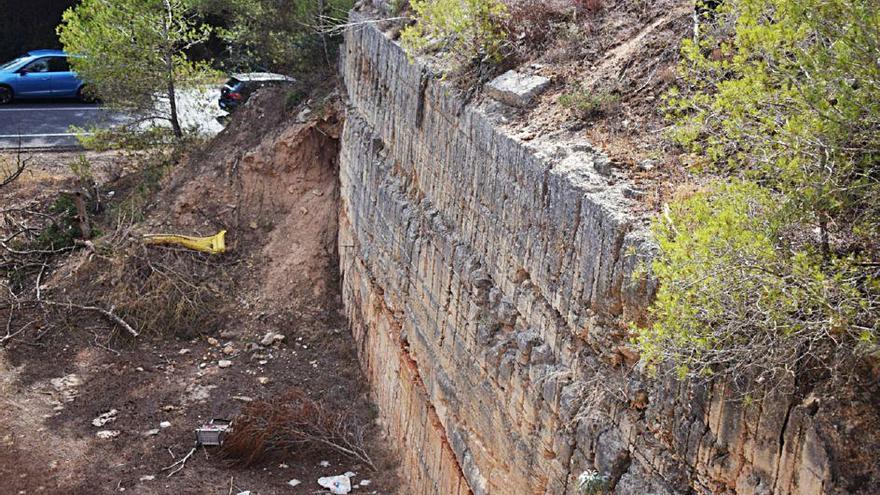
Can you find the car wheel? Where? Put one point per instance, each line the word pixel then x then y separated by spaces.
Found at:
pixel 5 95
pixel 85 96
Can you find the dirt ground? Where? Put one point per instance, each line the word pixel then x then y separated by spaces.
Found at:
pixel 270 180
pixel 628 50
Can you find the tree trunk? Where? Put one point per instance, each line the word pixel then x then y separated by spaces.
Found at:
pixel 169 71
pixel 824 236
pixel 82 215
pixel 172 100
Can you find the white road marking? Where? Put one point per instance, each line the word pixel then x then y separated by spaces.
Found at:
pixel 16 136
pixel 42 109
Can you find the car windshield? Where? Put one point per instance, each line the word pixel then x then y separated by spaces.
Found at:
pixel 12 63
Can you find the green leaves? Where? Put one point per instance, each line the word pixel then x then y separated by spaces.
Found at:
pixel 134 52
pixel 774 272
pixel 790 96
pixel 278 35
pixel 737 301
pixel 467 31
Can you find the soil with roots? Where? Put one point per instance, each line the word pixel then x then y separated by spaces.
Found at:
pixel 274 316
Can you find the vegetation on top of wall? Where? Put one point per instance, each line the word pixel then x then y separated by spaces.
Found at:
pixel 775 273
pixel 740 298
pixel 467 33
pixel 588 103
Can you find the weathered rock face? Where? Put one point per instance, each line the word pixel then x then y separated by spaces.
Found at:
pixel 488 282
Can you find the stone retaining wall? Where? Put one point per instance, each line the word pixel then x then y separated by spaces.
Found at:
pixel 488 282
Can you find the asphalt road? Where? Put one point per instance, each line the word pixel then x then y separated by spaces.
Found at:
pixel 46 124
pixel 32 124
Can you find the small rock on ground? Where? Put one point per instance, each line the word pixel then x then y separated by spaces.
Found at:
pixel 516 89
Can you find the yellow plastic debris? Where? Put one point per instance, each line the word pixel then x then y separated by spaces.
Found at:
pixel 216 244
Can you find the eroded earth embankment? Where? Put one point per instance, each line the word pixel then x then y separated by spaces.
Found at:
pixel 218 334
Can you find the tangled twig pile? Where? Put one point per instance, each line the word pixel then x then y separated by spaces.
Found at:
pixel 295 424
pixel 50 277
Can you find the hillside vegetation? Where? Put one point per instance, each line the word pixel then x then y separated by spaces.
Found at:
pixel 772 269
pixel 768 267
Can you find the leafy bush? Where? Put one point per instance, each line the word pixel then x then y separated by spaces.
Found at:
pixel 738 300
pixel 295 36
pixel 63 230
pixel 468 32
pixel 588 103
pixel 294 98
pixel 774 274
pixel 397 7
pixel 787 92
pixel 134 53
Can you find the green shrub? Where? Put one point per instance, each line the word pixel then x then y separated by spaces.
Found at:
pixel 787 92
pixel 63 230
pixel 296 36
pixel 396 7
pixel 294 98
pixel 468 32
pixel 759 283
pixel 588 103
pixel 738 301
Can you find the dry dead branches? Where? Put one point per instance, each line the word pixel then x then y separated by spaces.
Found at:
pixel 179 464
pixel 164 290
pixel 136 290
pixel 296 424
pixel 10 172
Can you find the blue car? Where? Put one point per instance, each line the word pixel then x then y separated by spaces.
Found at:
pixel 40 74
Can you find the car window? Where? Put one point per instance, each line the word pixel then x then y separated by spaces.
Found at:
pixel 59 64
pixel 232 83
pixel 12 63
pixel 38 65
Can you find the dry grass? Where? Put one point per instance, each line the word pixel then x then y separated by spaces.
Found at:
pixel 53 277
pixel 294 424
pixel 165 291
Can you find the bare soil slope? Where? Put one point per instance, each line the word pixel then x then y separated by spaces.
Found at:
pixel 269 180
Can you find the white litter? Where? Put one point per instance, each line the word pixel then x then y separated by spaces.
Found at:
pixel 103 419
pixel 270 338
pixel 338 485
pixel 294 482
pixel 324 463
pixel 107 434
pixel 165 424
